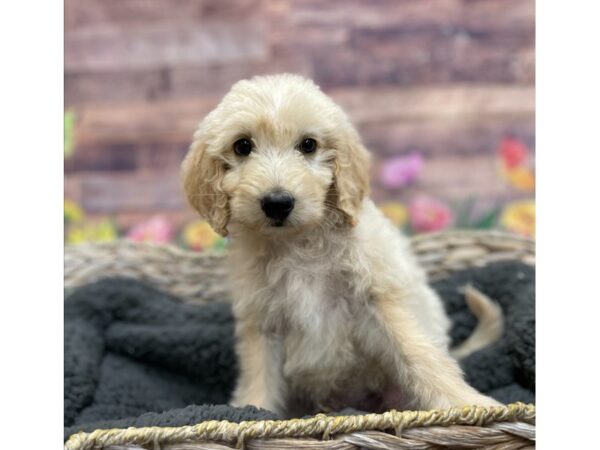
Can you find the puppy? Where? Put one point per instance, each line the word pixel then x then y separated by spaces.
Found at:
pixel 332 309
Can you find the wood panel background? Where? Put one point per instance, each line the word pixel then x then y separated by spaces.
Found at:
pixel 448 78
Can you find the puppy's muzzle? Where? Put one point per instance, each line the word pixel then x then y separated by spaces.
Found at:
pixel 277 205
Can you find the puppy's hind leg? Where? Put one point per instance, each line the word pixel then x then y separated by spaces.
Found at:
pixel 424 371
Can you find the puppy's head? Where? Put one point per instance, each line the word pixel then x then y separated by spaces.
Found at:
pixel 276 155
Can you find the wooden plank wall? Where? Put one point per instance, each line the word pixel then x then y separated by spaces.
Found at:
pixel 446 77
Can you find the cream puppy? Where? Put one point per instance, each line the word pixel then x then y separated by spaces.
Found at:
pixel 332 309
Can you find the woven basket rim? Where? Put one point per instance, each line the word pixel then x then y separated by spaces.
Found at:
pixel 320 425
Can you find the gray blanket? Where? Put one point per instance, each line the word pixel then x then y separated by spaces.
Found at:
pixel 135 356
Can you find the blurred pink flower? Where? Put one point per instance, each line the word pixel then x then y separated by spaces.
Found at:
pixel 401 171
pixel 427 214
pixel 157 230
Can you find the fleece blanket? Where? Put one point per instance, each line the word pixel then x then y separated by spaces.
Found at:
pixel 135 356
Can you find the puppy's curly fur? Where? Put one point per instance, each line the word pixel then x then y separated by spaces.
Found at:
pixel 332 309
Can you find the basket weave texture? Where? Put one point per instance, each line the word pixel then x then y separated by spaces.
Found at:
pixel 201 277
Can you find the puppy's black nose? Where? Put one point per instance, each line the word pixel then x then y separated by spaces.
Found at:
pixel 277 205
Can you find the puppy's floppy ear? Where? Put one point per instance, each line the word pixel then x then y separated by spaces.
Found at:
pixel 351 178
pixel 202 175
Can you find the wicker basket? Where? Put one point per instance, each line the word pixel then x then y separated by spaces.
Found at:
pixel 200 277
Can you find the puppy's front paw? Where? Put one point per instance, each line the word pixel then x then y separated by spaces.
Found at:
pixel 236 403
pixel 240 400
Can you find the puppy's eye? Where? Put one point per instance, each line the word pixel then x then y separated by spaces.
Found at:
pixel 242 147
pixel 308 145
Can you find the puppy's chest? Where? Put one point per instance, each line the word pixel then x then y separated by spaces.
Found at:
pixel 313 315
pixel 305 299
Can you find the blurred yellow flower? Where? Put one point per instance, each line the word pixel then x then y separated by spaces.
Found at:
pixel 103 231
pixel 519 217
pixel 73 212
pixel 521 178
pixel 199 235
pixel 396 212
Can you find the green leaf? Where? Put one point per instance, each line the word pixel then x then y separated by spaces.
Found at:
pixel 69 133
pixel 220 244
pixel 463 213
pixel 488 220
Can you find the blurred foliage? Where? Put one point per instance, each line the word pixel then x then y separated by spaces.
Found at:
pixel 69 133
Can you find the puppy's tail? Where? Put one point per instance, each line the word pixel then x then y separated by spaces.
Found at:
pixel 490 324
